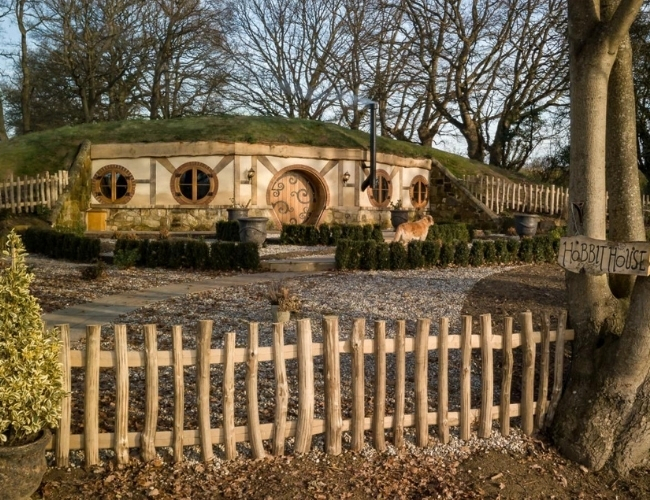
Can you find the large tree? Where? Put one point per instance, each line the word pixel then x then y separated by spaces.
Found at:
pixel 604 415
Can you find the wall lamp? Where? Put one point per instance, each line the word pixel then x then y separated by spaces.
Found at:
pixel 345 178
pixel 249 176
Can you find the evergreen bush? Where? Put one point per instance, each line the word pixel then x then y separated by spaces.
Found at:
pixel 227 230
pixel 461 254
pixel 476 253
pixel 447 252
pixel 526 250
pixel 247 256
pixel 415 255
pixel 398 256
pixel 513 250
pixel 431 253
pixel 222 255
pixel 449 232
pixel 489 252
pixel 383 256
pixel 368 255
pixel 501 251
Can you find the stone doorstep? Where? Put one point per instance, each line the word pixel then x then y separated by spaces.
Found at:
pixel 316 263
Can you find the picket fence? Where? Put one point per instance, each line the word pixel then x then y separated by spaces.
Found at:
pixel 533 414
pixel 501 194
pixel 25 194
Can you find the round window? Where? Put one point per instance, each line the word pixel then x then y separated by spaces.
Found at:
pixel 381 198
pixel 113 184
pixel 194 183
pixel 419 192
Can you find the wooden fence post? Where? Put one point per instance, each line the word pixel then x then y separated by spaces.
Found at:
pixel 11 194
pixel 443 381
pixel 179 393
pixel 230 444
pixel 542 393
pixel 465 377
pixel 379 412
pixel 358 383
pixel 63 432
pixel 528 373
pixel 121 396
pixel 558 368
pixel 305 387
pixel 91 398
pixel 506 378
pixel 487 377
pixel 421 381
pixel 281 390
pixel 203 388
pixel 252 361
pixel 400 384
pixel 148 446
pixel 332 365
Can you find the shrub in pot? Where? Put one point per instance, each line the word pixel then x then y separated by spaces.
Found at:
pixel 31 389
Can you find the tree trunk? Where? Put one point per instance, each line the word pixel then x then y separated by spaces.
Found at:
pixel 25 89
pixel 3 130
pixel 625 211
pixel 603 416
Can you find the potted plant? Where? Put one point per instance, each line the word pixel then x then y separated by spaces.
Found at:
pixel 31 374
pixel 398 214
pixel 237 210
pixel 282 302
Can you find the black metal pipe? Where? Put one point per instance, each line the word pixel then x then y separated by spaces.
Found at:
pixel 371 180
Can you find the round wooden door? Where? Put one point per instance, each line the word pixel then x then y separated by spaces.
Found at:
pixel 294 198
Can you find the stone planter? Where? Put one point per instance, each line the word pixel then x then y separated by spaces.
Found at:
pixel 22 468
pixel 279 316
pixel 236 213
pixel 252 229
pixel 526 224
pixel 398 217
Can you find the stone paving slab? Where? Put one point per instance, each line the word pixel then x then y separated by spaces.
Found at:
pixel 104 310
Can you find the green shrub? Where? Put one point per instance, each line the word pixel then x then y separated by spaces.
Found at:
pixel 126 259
pixel 176 254
pixel 431 253
pixel 94 271
pixel 59 245
pixel 513 250
pixel 352 232
pixel 449 232
pixel 476 253
pixel 354 261
pixel 447 252
pixel 336 232
pixel 222 255
pixel 526 250
pixel 489 252
pixel 415 255
pixel 247 256
pixel 197 254
pixel 342 255
pixel 501 251
pixel 398 256
pixel 543 249
pixel 377 235
pixel 461 254
pixel 311 235
pixel 383 256
pixel 324 234
pixel 227 230
pixel 30 369
pixel 368 255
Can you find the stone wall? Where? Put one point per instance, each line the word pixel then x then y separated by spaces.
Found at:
pixel 451 201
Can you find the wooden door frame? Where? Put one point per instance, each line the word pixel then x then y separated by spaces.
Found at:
pixel 314 177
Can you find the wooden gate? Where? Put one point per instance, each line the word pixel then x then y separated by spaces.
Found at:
pixel 294 198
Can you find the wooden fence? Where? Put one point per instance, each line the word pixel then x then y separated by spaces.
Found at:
pixel 24 195
pixel 533 414
pixel 501 194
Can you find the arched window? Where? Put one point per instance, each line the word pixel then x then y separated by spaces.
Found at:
pixel 194 183
pixel 419 192
pixel 113 184
pixel 381 198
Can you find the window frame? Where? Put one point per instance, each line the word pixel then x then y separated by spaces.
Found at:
pixel 419 179
pixel 115 170
pixel 175 183
pixel 381 174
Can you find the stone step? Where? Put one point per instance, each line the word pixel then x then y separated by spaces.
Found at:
pixel 305 264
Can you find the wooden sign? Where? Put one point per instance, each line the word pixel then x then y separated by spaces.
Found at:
pixel 600 257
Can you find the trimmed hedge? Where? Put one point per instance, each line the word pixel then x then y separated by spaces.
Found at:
pixel 227 230
pixel 192 254
pixel 60 245
pixel 369 255
pixel 449 232
pixel 329 234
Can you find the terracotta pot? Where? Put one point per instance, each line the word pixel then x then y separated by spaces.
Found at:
pixel 279 316
pixel 22 468
pixel 398 217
